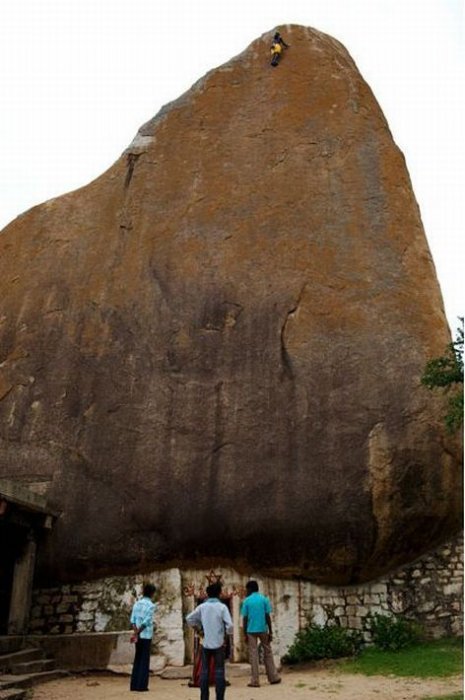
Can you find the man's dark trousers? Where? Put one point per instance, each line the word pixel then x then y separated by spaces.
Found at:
pixel 220 681
pixel 141 667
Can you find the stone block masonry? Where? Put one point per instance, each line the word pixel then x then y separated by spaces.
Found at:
pixel 428 591
pixel 104 605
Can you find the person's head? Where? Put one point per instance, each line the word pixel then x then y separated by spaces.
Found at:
pixel 148 590
pixel 214 590
pixel 251 587
pixel 277 36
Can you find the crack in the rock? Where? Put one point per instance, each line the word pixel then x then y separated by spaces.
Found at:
pixel 285 359
pixel 219 447
pixel 131 163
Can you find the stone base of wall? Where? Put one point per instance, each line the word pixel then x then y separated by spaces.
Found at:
pixel 428 591
pixel 86 651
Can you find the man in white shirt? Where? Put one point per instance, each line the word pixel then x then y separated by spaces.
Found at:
pixel 215 620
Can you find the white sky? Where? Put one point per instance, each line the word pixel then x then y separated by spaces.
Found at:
pixel 78 78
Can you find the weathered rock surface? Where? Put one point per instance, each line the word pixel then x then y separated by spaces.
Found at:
pixel 213 351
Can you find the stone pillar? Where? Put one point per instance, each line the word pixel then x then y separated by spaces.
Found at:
pixel 21 593
pixel 237 650
pixel 188 607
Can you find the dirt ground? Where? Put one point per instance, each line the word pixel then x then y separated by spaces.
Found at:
pixel 308 684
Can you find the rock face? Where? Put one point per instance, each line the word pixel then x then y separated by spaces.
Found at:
pixel 213 352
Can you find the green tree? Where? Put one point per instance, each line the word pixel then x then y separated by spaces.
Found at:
pixel 447 372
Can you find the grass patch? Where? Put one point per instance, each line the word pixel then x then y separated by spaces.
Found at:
pixel 436 659
pixel 454 696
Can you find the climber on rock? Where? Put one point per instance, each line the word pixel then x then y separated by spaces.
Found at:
pixel 277 48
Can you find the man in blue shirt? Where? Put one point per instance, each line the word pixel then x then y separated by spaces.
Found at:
pixel 256 610
pixel 215 620
pixel 142 627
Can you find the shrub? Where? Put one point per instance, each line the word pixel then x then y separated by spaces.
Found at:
pixel 393 633
pixel 329 642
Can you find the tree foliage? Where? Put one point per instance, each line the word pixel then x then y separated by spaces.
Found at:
pixel 447 372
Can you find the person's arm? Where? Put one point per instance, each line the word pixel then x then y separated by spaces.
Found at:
pixel 134 626
pixel 268 611
pixel 270 628
pixel 228 623
pixel 245 619
pixel 194 619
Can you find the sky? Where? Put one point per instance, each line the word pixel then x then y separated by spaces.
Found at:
pixel 79 77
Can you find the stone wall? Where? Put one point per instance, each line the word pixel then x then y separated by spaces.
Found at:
pixel 104 606
pixel 429 591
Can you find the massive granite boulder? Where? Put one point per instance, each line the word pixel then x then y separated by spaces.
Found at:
pixel 212 353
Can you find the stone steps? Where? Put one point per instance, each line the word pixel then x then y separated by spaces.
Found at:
pixel 13 694
pixel 10 643
pixel 9 681
pixel 22 667
pixel 15 658
pixel 36 666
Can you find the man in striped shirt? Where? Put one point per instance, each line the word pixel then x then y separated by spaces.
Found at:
pixel 142 626
pixel 215 620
